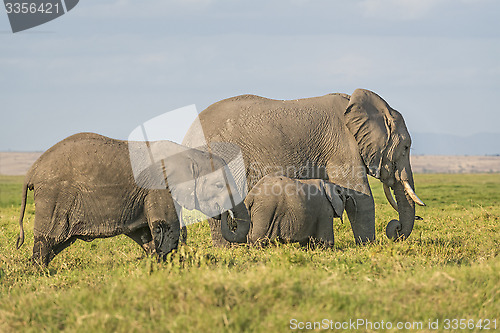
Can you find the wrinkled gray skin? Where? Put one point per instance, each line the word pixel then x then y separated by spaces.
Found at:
pixel 336 137
pixel 290 210
pixel 84 188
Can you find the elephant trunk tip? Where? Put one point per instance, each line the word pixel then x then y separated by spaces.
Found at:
pixel 393 231
pixel 242 227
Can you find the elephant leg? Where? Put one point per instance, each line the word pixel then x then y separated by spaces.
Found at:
pixel 184 233
pixel 215 230
pixel 51 224
pixel 359 206
pixel 165 236
pixel 360 209
pixel 324 234
pixel 163 221
pixel 45 249
pixel 41 251
pixel 315 242
pixel 312 243
pixel 144 238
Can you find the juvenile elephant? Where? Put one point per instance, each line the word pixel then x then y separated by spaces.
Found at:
pixel 290 210
pixel 337 137
pixel 85 188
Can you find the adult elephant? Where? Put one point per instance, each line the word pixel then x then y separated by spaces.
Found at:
pixel 336 137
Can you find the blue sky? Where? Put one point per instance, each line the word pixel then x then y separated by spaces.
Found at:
pixel 109 65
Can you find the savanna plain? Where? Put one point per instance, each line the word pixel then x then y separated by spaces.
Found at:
pixel 448 269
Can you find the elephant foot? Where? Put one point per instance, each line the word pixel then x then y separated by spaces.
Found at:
pixel 43 251
pixel 315 243
pixel 166 238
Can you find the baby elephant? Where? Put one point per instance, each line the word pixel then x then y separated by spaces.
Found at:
pixel 86 187
pixel 290 210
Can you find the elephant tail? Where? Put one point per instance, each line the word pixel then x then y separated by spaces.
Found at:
pixel 20 238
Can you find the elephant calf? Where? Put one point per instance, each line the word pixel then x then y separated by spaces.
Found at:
pixel 85 187
pixel 289 210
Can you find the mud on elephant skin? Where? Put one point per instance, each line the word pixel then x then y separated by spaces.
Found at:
pixel 289 210
pixel 337 137
pixel 85 188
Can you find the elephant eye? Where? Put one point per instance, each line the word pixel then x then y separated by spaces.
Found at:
pixel 219 186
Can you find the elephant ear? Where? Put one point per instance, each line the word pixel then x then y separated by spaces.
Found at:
pixel 181 172
pixel 371 121
pixel 334 195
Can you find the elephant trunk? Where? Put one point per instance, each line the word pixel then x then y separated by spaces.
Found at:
pixel 406 199
pixel 241 217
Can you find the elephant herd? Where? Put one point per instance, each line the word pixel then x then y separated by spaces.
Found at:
pixel 266 169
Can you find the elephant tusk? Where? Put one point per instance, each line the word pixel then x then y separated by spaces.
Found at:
pixel 390 198
pixel 412 194
pixel 231 213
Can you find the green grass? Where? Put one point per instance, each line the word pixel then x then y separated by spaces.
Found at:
pixel 448 269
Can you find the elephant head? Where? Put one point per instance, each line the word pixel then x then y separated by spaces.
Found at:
pixel 196 179
pixel 235 211
pixel 200 180
pixel 384 145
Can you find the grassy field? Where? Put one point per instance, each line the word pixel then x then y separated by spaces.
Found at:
pixel 448 269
